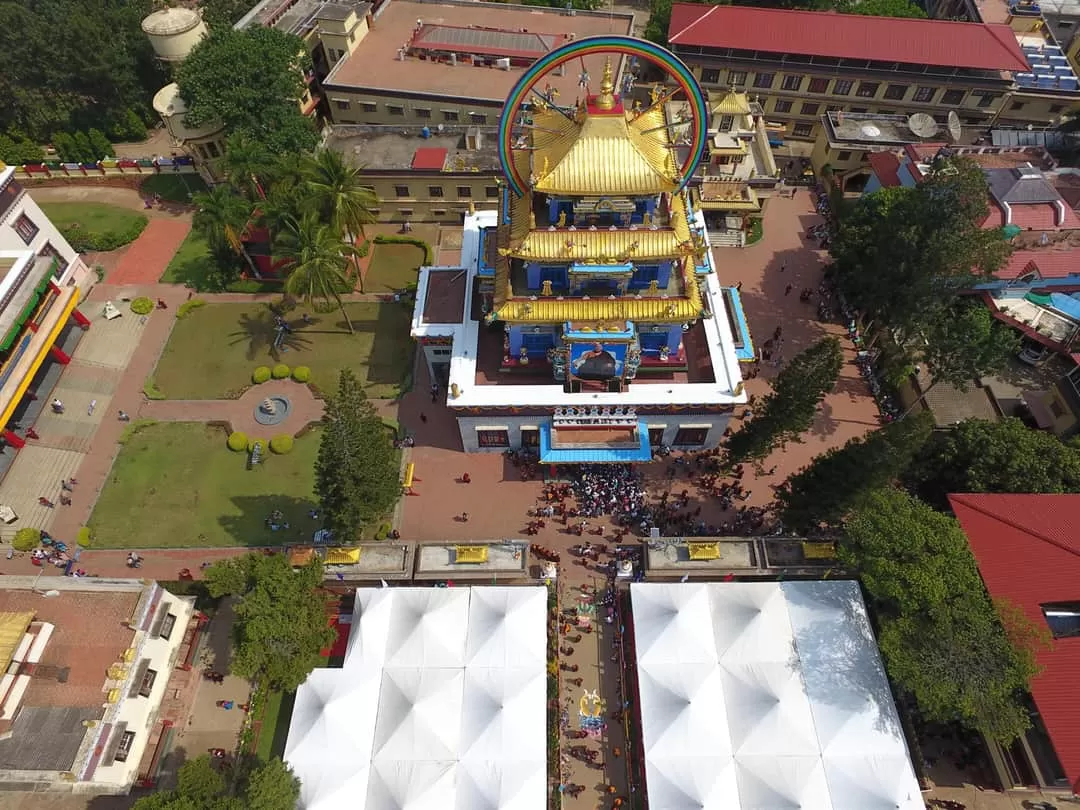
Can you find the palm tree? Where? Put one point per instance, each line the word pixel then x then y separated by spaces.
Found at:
pixel 222 217
pixel 338 194
pixel 282 209
pixel 318 261
pixel 247 164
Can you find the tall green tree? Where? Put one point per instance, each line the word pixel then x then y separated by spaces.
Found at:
pixel 825 491
pixel 221 216
pixel 942 638
pixel 200 786
pixel 357 471
pixel 247 165
pixel 982 456
pixel 789 410
pixel 272 787
pixel 902 254
pixel 883 8
pixel 251 81
pixel 339 195
pixel 318 262
pixel 966 343
pixel 280 625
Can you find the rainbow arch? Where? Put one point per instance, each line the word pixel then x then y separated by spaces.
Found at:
pixel 628 46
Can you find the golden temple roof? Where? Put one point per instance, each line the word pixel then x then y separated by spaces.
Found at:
pixel 603 246
pixel 732 102
pixel 619 154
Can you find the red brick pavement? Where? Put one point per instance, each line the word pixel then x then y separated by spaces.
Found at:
pixel 148 255
pixel 240 413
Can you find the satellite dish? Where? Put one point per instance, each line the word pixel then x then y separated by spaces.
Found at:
pixel 923 125
pixel 954 126
pixel 50 594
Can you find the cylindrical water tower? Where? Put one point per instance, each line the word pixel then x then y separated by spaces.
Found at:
pixel 173 32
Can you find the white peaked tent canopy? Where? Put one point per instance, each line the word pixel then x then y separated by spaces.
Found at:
pixel 441 703
pixel 766 696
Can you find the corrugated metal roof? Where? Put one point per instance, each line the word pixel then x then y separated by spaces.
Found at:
pixel 1028 551
pixel 565 245
pixel 732 103
pixel 847 36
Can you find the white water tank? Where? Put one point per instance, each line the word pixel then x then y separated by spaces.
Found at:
pixel 173 32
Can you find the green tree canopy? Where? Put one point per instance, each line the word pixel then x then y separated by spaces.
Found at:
pixel 251 81
pixel 902 254
pixel 358 468
pixel 825 491
pixel 1005 456
pixel 943 640
pixel 200 786
pixel 789 410
pixel 883 8
pixel 317 260
pixel 280 625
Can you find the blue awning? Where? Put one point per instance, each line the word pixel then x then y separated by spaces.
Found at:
pixel 595 455
pixel 1066 305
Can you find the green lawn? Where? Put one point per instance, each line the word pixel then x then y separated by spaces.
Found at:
pixel 173 187
pixel 190 263
pixel 92 217
pixel 212 352
pixel 176 485
pixel 275 725
pixel 392 267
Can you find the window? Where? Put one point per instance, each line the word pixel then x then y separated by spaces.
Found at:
pixel 896 92
pixel 401 191
pixel 25 228
pixel 792 83
pixel 842 87
pixel 710 76
pixel 809 109
pixel 1016 105
pixel 439 212
pixel 867 89
pixel 464 192
pixel 736 78
pixel 726 122
pixel 858 110
pixel 435 191
pixel 405 212
pixel 656 436
pixel 819 85
pixel 986 99
pixel 451 116
pixel 368 106
pixel 924 95
pixel 764 80
pixel 842 156
pixel 783 106
pixel 147 684
pixel 167 625
pixel 423 112
pixel 478 118
pixel 530 437
pixel 61 262
pixel 691 436
pixel 1063 618
pixel 802 130
pixel 1056 108
pixel 952 97
pixel 395 109
pixel 342 104
pixel 124 748
pixel 493 437
pixel 491 192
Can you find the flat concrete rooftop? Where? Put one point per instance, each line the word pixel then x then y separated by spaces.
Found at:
pixel 380 148
pixel 375 64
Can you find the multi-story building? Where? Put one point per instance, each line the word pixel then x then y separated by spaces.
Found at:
pixel 587 320
pixel 801 64
pixel 41 281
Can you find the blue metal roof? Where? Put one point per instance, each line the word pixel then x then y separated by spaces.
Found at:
pixel 595 455
pixel 745 353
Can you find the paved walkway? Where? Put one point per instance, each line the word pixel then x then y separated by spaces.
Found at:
pixel 240 413
pixel 149 255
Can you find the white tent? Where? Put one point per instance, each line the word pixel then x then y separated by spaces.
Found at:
pixel 441 703
pixel 766 696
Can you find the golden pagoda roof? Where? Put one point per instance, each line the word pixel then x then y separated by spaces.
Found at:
pixel 613 155
pixel 732 102
pixel 603 246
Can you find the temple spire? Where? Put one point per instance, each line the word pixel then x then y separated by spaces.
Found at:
pixel 606 99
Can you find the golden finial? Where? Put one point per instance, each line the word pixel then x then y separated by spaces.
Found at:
pixel 606 99
pixel 532 220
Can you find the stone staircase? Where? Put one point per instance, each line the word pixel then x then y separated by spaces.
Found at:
pixel 727 239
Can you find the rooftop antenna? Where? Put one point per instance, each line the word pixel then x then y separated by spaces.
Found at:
pixel 954 126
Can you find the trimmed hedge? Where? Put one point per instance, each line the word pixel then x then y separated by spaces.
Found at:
pixel 84 241
pixel 83 538
pixel 281 444
pixel 383 532
pixel 260 375
pixel 142 306
pixel 26 539
pixel 280 371
pixel 301 374
pixel 238 442
pixel 429 254
pixel 186 308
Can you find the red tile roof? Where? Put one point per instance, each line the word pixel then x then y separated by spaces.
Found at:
pixel 1051 263
pixel 847 36
pixel 430 158
pixel 886 166
pixel 1028 551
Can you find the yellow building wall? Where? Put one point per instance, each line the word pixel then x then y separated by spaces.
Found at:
pixel 342 37
pixel 357 106
pixel 421 200
pixel 1039 110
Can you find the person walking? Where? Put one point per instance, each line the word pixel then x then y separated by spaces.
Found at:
pixel 57 406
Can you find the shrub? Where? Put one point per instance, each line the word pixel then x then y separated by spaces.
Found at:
pixel 238 442
pixel 260 375
pixel 187 307
pixel 281 444
pixel 83 538
pixel 383 532
pixel 142 306
pixel 99 271
pixel 280 372
pixel 364 248
pixel 85 241
pixel 301 374
pixel 26 539
pixel 385 239
pixel 252 286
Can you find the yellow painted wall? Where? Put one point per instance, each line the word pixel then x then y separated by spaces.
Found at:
pixel 424 205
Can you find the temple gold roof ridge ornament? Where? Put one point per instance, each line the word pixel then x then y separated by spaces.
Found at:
pixel 606 99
